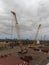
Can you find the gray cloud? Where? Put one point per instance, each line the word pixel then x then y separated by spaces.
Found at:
pixel 30 13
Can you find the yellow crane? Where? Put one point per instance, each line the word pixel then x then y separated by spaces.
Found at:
pixel 35 40
pixel 22 48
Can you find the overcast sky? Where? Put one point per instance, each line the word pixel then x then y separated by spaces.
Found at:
pixel 30 13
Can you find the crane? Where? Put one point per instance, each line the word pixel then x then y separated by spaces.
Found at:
pixel 35 40
pixel 22 48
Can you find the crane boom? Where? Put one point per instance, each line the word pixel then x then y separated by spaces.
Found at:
pixel 37 32
pixel 17 26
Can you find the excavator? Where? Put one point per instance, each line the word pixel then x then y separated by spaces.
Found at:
pixel 35 40
pixel 22 48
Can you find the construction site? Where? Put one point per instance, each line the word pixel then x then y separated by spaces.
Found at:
pixel 20 46
pixel 24 52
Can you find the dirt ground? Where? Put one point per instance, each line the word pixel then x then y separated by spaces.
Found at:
pixel 39 58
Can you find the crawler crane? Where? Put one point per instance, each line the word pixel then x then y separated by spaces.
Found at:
pixel 22 48
pixel 35 40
